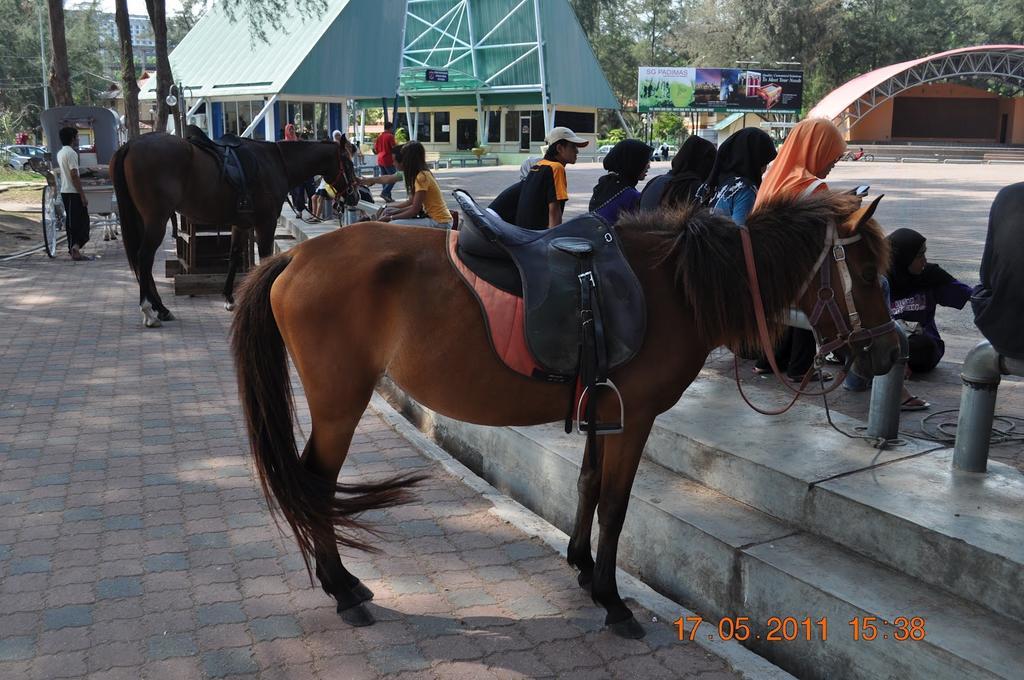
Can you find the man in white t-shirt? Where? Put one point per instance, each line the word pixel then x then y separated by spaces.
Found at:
pixel 76 204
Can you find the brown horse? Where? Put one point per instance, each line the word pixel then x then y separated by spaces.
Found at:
pixel 158 174
pixel 399 308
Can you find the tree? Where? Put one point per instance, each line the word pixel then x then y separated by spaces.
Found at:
pixel 669 127
pixel 158 17
pixel 264 14
pixel 178 25
pixel 60 76
pixel 129 83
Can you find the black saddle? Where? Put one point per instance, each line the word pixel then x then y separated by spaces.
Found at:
pixel 584 307
pixel 237 166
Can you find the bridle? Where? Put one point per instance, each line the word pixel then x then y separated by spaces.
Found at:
pixel 849 329
pixel 346 189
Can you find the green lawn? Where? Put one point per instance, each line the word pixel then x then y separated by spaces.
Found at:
pixel 9 175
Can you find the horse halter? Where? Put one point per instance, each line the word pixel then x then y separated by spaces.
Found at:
pixel 849 329
pixel 342 175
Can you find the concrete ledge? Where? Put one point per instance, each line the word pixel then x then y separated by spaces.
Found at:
pixel 819 580
pixel 904 507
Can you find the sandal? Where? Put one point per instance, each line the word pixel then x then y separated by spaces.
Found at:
pixel 912 403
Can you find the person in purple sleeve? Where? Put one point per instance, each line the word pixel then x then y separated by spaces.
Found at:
pixel 627 163
pixel 916 288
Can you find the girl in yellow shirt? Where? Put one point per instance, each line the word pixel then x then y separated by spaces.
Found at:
pixel 425 206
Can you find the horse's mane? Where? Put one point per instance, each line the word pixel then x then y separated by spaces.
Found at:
pixel 706 254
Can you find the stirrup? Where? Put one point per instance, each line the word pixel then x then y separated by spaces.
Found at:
pixel 600 428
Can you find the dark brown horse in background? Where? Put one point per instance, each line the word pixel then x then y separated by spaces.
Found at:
pixel 398 307
pixel 158 174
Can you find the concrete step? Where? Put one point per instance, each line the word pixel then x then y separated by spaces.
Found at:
pixel 905 507
pixel 806 577
pixel 723 558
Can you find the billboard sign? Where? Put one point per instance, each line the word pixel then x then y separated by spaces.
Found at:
pixel 719 89
pixel 437 75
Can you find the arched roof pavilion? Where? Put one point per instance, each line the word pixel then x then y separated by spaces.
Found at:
pixel 849 103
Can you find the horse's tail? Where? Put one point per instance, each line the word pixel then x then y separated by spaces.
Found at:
pixel 310 504
pixel 128 214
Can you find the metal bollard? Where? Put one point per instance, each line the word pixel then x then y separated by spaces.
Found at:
pixel 886 390
pixel 981 375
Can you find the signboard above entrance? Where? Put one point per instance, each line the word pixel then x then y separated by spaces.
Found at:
pixel 719 89
pixel 437 76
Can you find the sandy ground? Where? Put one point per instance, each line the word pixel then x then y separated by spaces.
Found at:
pixel 20 228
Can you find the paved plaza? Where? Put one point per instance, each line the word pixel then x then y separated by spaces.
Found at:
pixel 135 542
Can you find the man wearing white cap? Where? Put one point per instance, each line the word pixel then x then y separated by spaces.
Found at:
pixel 545 189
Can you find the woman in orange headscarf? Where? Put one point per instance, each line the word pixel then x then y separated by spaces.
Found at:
pixel 289 133
pixel 809 153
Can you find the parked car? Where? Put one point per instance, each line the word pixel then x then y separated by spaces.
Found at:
pixel 24 156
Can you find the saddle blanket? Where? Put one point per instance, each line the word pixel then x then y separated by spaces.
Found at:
pixel 505 315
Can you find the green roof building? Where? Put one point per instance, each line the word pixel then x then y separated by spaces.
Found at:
pixel 498 72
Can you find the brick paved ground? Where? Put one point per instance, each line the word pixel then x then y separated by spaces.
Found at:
pixel 134 542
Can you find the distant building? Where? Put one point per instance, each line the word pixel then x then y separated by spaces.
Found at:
pixel 143 42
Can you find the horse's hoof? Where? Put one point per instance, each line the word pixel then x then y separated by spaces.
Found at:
pixel 628 629
pixel 362 592
pixel 152 323
pixel 165 315
pixel 357 616
pixel 229 306
pixel 585 579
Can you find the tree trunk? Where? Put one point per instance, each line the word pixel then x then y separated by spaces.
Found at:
pixel 164 79
pixel 60 77
pixel 129 81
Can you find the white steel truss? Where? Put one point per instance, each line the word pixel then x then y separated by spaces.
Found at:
pixel 1006 65
pixel 448 41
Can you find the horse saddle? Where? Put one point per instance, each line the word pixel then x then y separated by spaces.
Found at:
pixel 237 165
pixel 581 305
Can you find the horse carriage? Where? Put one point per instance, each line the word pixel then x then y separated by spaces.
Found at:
pixel 98 132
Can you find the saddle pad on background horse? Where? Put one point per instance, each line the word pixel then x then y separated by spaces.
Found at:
pixel 237 164
pixel 547 265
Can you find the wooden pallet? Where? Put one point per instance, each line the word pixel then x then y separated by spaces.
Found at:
pixel 202 258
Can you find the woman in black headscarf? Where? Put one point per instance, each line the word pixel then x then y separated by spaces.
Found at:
pixel 734 179
pixel 627 163
pixel 690 168
pixel 998 301
pixel 915 288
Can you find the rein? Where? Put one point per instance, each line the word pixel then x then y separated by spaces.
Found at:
pixel 849 328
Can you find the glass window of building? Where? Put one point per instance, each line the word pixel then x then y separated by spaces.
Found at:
pixel 494 127
pixel 512 126
pixel 422 127
pixel 537 126
pixel 577 121
pixel 308 121
pixel 442 127
pixel 230 118
pixel 255 107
